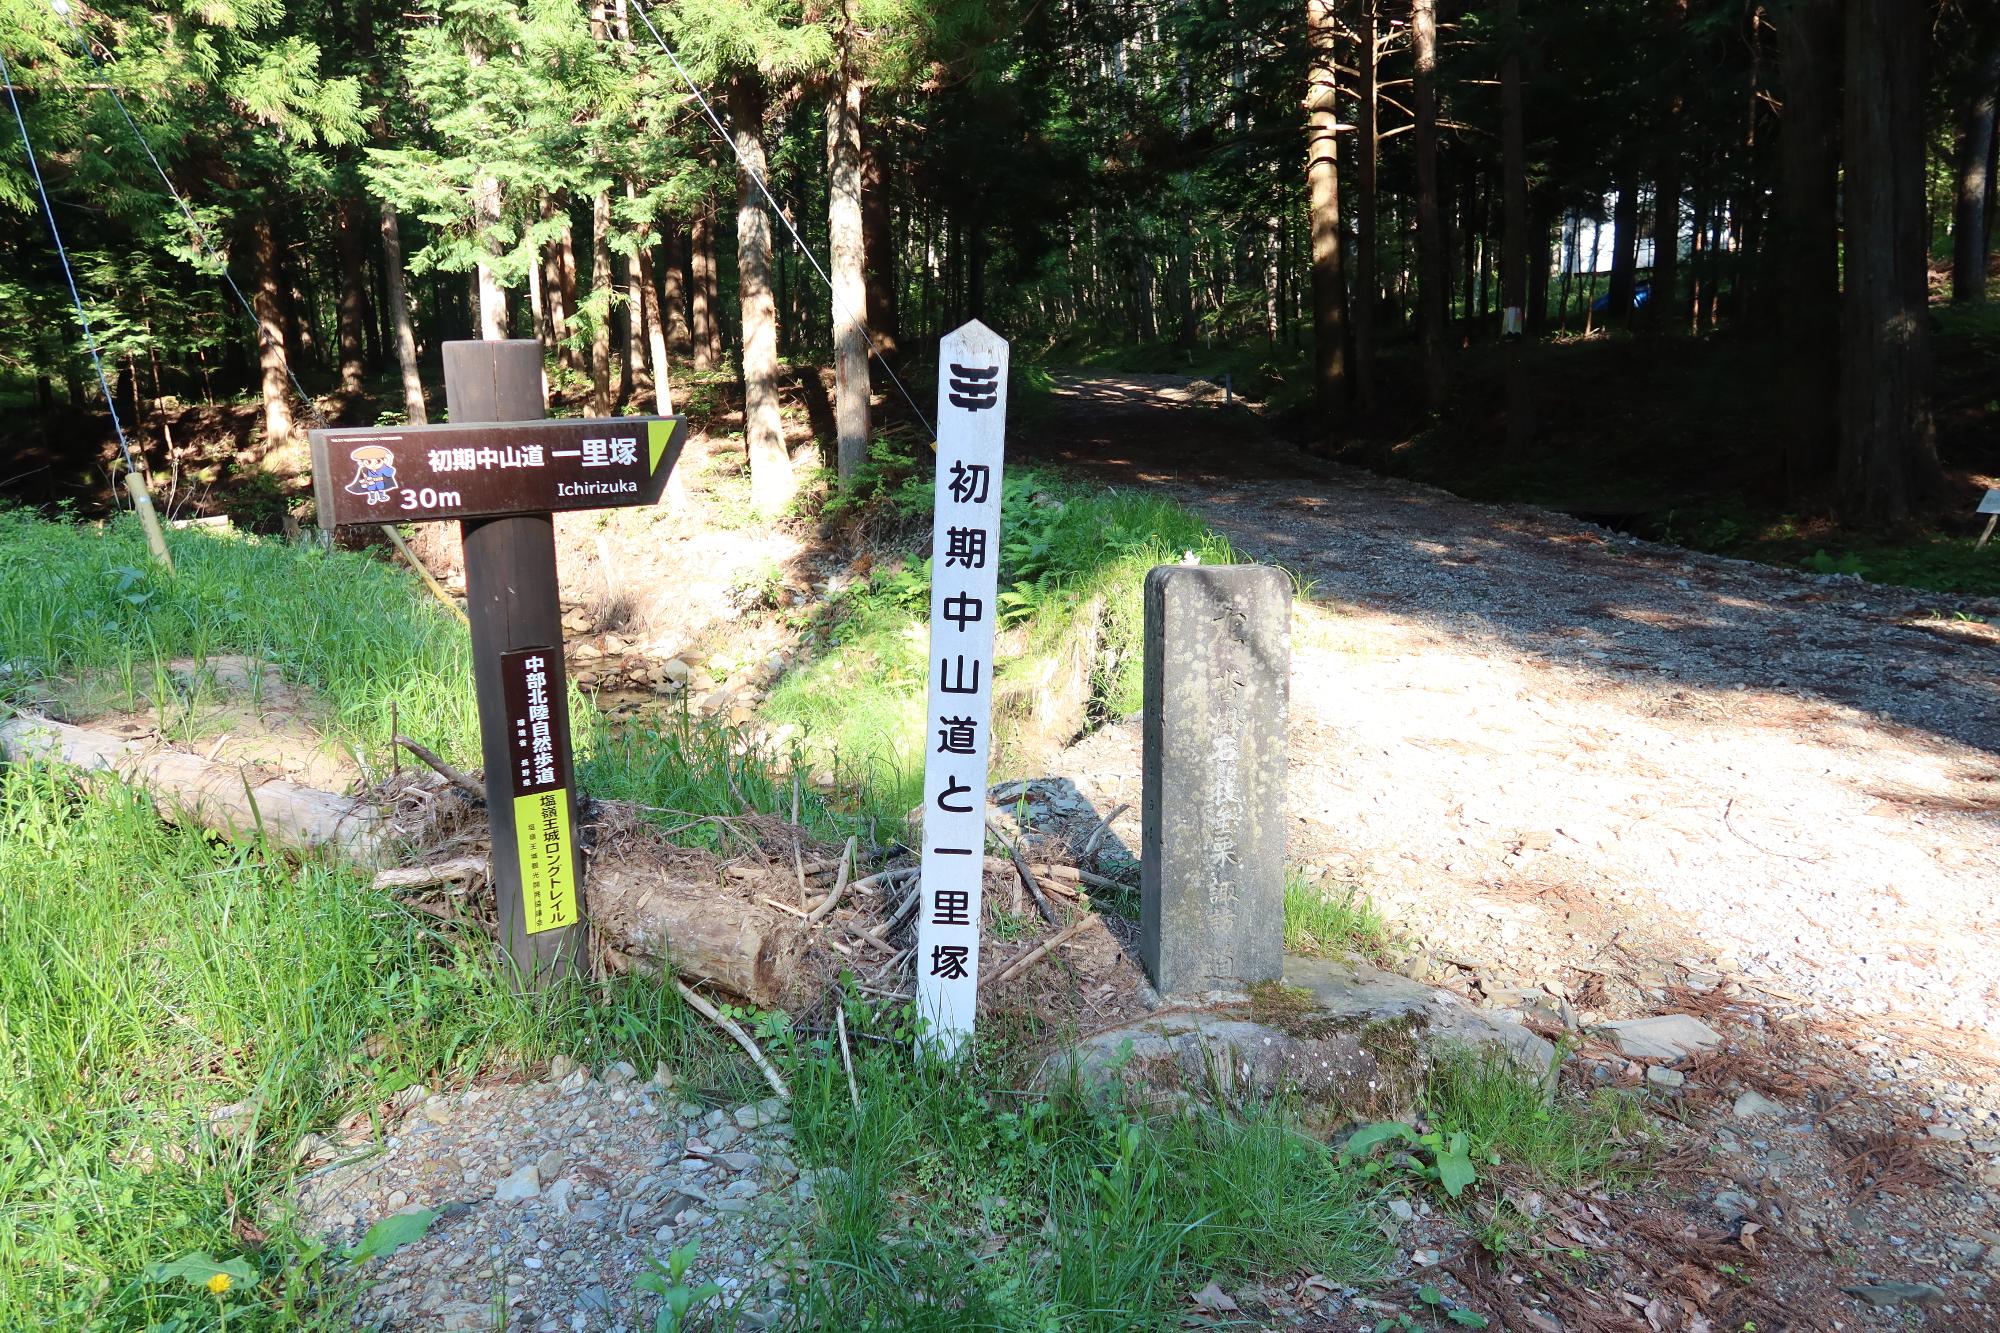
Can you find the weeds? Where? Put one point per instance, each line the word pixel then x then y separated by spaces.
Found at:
pixel 953 1203
pixel 149 974
pixel 1322 921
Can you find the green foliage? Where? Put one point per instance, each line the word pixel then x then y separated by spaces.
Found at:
pixel 1088 1214
pixel 1068 555
pixel 392 1233
pixel 668 1281
pixel 1483 1112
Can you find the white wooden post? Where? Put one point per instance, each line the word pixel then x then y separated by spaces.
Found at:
pixel 965 560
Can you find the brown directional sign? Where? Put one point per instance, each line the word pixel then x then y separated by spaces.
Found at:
pixel 403 474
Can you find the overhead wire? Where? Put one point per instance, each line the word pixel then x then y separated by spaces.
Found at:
pixel 62 253
pixel 221 260
pixel 264 338
pixel 757 178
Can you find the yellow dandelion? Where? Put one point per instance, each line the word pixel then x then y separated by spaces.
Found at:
pixel 219 1283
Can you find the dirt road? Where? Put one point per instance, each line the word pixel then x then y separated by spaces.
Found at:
pixel 1637 777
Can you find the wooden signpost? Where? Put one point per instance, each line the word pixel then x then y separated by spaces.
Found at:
pixel 965 559
pixel 503 472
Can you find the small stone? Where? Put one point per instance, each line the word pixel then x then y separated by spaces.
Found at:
pixel 557 1196
pixel 576 1081
pixel 619 1075
pixel 1662 1077
pixel 1965 1250
pixel 1946 1133
pixel 522 1185
pixel 1663 1037
pixel 723 1135
pixel 396 1199
pixel 550 1164
pixel 1400 1210
pixel 742 1189
pixel 1734 1205
pixel 561 1068
pixel 738 1161
pixel 1754 1105
pixel 733 1205
pixel 1882 1295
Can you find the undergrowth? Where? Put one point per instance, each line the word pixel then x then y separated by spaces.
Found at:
pixel 150 974
pixel 1327 921
pixel 956 1203
pixel 1067 553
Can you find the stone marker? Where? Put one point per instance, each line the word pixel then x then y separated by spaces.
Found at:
pixel 1212 887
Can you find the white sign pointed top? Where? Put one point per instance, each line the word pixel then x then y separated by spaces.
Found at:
pixel 974 335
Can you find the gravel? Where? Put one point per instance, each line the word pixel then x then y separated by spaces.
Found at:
pixel 552 1197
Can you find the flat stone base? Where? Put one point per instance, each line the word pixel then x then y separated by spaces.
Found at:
pixel 1343 1036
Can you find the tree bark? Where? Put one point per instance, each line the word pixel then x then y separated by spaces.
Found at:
pixel 1624 247
pixel 1514 227
pixel 1807 315
pixel 879 240
pixel 656 335
pixel 1888 449
pixel 705 302
pixel 673 304
pixel 572 354
pixel 1329 283
pixel 353 305
pixel 399 314
pixel 493 319
pixel 599 301
pixel 1367 285
pixel 1975 155
pixel 771 481
pixel 1433 260
pixel 273 369
pixel 849 304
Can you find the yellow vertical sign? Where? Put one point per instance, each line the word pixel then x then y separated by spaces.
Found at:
pixel 548 880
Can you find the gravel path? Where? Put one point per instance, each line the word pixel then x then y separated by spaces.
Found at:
pixel 1568 760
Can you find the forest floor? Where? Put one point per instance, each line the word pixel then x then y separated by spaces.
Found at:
pixel 1601 778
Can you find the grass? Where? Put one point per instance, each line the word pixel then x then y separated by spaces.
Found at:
pixel 150 974
pixel 1069 555
pixel 959 1204
pixel 1322 921
pixel 84 604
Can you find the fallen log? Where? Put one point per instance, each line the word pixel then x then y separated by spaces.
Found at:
pixel 226 797
pixel 739 946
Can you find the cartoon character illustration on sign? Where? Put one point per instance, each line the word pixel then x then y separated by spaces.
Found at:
pixel 374 473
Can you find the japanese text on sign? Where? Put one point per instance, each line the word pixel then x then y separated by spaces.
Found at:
pixel 965 545
pixel 540 778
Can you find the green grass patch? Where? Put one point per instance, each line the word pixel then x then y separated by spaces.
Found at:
pixel 150 974
pixel 84 603
pixel 958 1204
pixel 1326 920
pixel 1564 1139
pixel 1069 555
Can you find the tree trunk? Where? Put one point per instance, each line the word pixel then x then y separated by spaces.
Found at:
pixel 1329 283
pixel 1433 261
pixel 879 240
pixel 656 335
pixel 1624 247
pixel 1975 154
pixel 673 303
pixel 705 303
pixel 353 309
pixel 493 320
pixel 1888 450
pixel 1807 311
pixel 1367 285
pixel 599 302
pixel 1514 227
pixel 771 481
pixel 844 218
pixel 273 369
pixel 399 313
pixel 572 354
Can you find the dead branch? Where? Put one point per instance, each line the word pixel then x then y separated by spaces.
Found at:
pixel 1026 961
pixel 457 779
pixel 1027 875
pixel 729 1025
pixel 839 884
pixel 438 872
